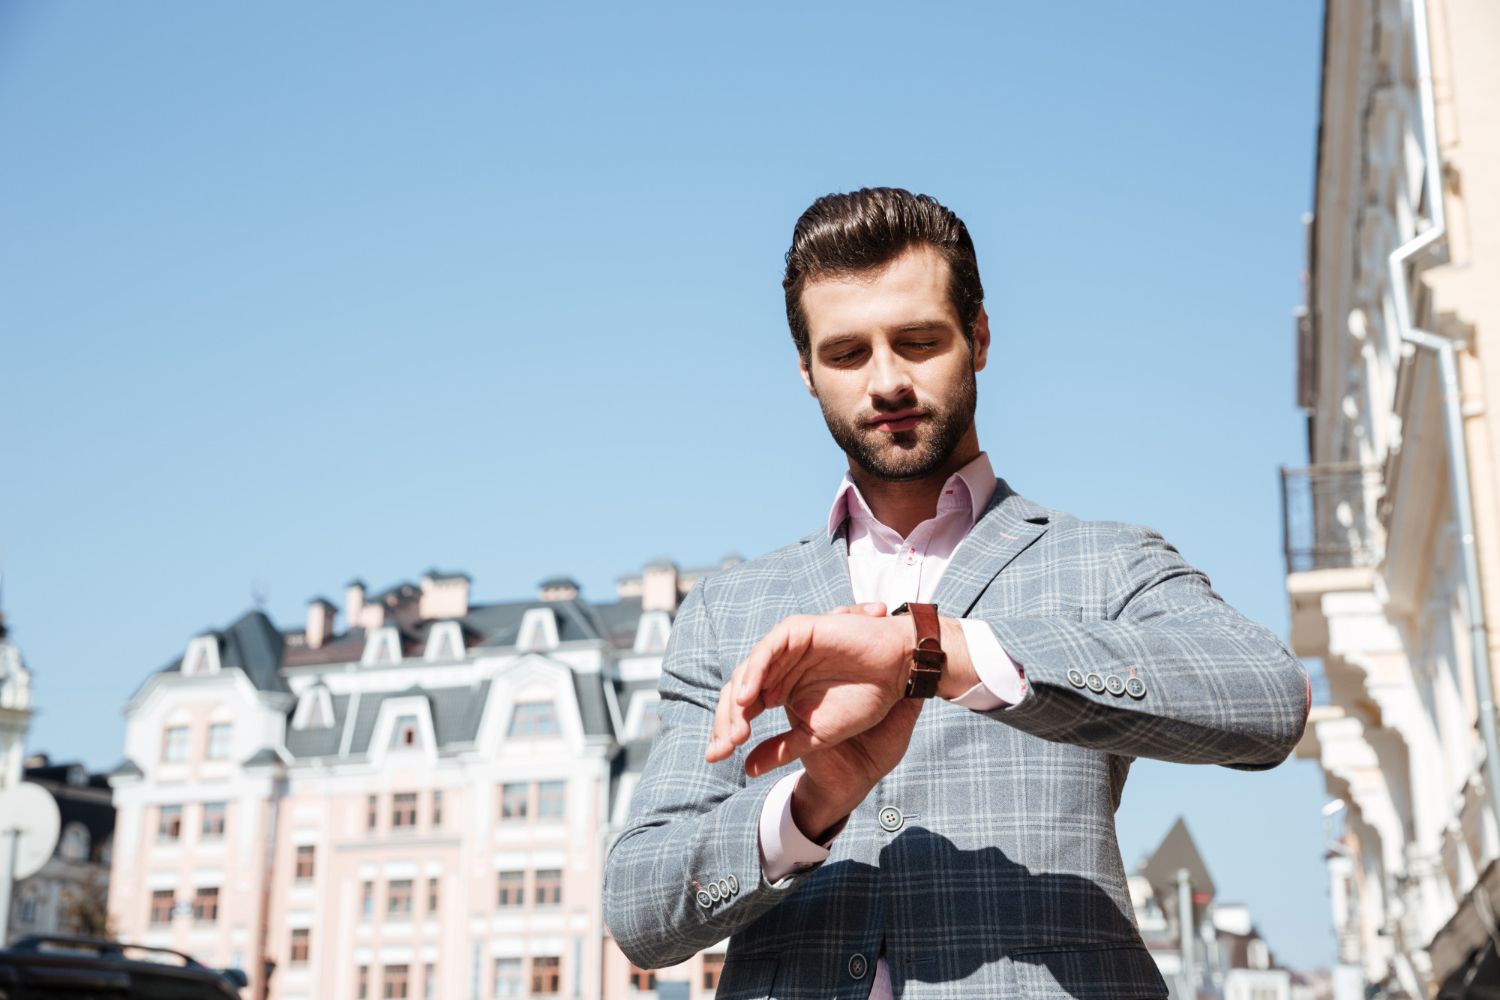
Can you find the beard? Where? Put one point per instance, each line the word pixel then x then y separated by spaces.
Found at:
pixel 913 454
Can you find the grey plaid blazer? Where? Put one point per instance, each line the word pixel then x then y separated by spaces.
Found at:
pixel 986 863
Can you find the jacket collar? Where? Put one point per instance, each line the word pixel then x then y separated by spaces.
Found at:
pixel 1009 525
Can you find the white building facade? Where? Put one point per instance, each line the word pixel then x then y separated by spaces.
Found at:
pixel 413 803
pixel 1393 531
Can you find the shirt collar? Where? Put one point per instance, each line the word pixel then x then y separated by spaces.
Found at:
pixel 970 488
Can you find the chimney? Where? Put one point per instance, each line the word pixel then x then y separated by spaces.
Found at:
pixel 659 586
pixel 320 612
pixel 444 595
pixel 354 602
pixel 558 588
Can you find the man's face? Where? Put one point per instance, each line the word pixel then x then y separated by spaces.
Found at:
pixel 890 367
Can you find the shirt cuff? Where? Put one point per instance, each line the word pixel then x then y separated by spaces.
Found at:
pixel 784 849
pixel 1002 682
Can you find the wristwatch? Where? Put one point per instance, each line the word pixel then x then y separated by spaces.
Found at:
pixel 927 656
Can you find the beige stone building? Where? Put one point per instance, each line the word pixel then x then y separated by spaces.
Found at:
pixel 1393 532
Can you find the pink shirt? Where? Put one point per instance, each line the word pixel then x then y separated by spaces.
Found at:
pixel 885 567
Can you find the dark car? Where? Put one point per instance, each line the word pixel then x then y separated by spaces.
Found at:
pixel 63 967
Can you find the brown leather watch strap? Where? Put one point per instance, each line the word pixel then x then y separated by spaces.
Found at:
pixel 927 656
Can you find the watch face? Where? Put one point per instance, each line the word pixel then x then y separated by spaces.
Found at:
pixel 904 609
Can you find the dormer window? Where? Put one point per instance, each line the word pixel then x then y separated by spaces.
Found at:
pixel 651 632
pixel 444 642
pixel 202 656
pixel 314 709
pixel 75 842
pixel 538 631
pixel 383 648
pixel 534 718
pixel 406 732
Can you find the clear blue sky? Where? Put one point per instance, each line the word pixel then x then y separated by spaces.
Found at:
pixel 291 293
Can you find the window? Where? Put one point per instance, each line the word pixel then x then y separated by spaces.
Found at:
pixel 213 820
pixel 398 899
pixel 713 968
pixel 432 896
pixel 372 812
pixel 396 981
pixel 404 811
pixel 508 980
pixel 437 809
pixel 650 721
pixel 367 900
pixel 218 740
pixel 28 906
pixel 534 718
pixel 405 732
pixel 307 856
pixel 75 842
pixel 642 980
pixel 174 745
pixel 169 823
pixel 362 982
pixel 546 974
pixel 513 798
pixel 206 905
pixel 162 902
pixel 548 886
pixel 429 982
pixel 301 943
pixel 512 889
pixel 551 797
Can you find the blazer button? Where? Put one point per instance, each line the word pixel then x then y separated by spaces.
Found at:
pixel 734 884
pixel 858 966
pixel 704 899
pixel 1075 677
pixel 1095 683
pixel 1135 687
pixel 714 892
pixel 1114 685
pixel 724 889
pixel 890 821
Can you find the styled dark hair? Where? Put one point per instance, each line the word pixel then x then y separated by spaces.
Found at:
pixel 867 229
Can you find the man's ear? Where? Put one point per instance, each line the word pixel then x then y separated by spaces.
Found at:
pixel 806 375
pixel 981 348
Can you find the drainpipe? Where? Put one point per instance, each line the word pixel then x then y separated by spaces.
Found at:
pixel 1432 248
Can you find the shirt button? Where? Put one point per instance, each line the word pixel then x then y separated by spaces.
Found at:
pixel 890 821
pixel 858 966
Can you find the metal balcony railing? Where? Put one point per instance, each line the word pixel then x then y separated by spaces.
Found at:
pixel 1328 516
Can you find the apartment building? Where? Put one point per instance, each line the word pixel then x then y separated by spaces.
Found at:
pixel 1393 531
pixel 410 796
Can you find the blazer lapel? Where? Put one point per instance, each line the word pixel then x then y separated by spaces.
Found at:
pixel 824 572
pixel 1009 525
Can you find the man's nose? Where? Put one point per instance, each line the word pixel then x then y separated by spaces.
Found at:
pixel 889 378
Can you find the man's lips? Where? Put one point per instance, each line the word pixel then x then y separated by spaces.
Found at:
pixel 893 423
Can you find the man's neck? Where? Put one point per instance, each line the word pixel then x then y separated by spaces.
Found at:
pixel 901 505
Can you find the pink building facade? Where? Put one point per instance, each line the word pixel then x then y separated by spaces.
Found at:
pixel 413 802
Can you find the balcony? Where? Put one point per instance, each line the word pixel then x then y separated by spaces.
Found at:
pixel 1328 516
pixel 1332 541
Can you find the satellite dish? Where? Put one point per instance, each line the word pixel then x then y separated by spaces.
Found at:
pixel 29 825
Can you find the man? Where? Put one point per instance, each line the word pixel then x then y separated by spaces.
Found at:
pixel 874 804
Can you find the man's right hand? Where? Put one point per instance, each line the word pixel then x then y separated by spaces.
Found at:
pixel 836 780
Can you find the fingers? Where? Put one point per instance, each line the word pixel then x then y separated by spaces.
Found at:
pixel 719 745
pixel 781 749
pixel 872 609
